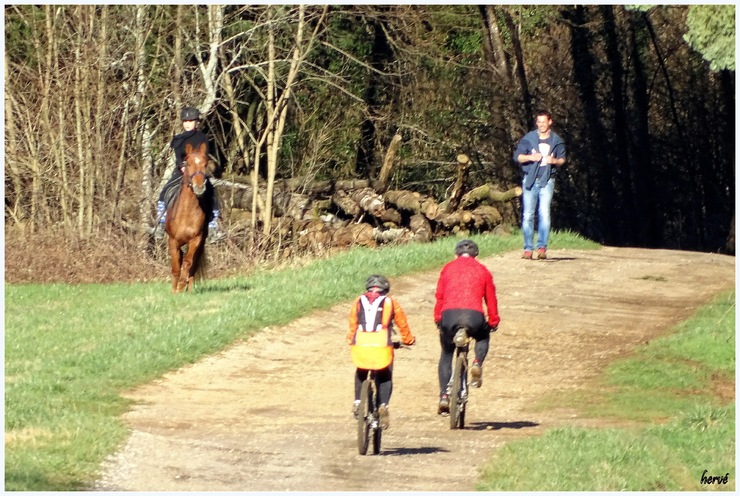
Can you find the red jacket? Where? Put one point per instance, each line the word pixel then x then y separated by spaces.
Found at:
pixel 463 284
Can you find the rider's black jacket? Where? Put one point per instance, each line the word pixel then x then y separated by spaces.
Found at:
pixel 194 138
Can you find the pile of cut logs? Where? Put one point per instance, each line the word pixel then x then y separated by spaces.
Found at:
pixel 322 214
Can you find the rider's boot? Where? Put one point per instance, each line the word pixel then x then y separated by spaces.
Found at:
pixel 214 229
pixel 385 419
pixel 476 375
pixel 444 404
pixel 161 217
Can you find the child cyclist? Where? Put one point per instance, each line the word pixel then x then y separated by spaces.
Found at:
pixel 370 335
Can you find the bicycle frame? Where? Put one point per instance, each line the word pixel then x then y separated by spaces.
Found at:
pixel 459 380
pixel 368 418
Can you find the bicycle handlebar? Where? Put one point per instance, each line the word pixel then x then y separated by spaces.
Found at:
pixel 398 344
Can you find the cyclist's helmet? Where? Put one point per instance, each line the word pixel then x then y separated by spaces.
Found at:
pixel 378 281
pixel 466 247
pixel 190 114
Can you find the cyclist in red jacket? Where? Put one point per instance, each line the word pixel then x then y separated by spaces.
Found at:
pixel 462 286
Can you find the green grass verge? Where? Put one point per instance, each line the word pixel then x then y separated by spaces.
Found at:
pixel 70 350
pixel 677 391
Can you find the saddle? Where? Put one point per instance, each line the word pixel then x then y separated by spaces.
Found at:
pixel 172 191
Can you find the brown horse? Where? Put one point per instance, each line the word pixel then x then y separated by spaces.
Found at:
pixel 186 220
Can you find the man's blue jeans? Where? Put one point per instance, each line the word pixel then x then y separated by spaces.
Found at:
pixel 529 202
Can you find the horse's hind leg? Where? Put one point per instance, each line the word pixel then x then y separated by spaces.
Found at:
pixel 176 260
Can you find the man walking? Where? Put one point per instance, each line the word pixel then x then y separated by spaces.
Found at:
pixel 540 153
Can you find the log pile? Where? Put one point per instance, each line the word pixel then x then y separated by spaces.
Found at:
pixel 325 214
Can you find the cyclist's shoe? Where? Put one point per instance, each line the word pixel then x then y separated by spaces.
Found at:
pixel 527 255
pixel 476 375
pixel 355 408
pixel 385 419
pixel 444 405
pixel 542 253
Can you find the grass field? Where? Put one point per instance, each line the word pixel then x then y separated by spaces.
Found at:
pixel 70 350
pixel 677 394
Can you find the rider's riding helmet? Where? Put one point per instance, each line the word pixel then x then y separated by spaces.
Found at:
pixel 466 247
pixel 189 114
pixel 378 281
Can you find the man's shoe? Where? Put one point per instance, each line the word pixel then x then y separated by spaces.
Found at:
pixel 476 375
pixel 385 419
pixel 527 255
pixel 355 408
pixel 542 253
pixel 444 405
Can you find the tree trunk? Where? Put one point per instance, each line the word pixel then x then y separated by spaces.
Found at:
pixel 144 129
pixel 521 74
pixel 419 225
pixel 346 204
pixel 458 188
pixel 407 201
pixel 80 136
pixel 385 171
pixel 488 193
pixel 486 217
pixel 11 151
pixel 369 201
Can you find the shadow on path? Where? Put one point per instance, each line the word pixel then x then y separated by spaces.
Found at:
pixel 481 426
pixel 413 451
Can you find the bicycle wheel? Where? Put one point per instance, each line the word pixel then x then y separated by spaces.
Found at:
pixel 364 417
pixel 459 390
pixel 376 440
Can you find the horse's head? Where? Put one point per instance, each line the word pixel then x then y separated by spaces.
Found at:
pixel 196 162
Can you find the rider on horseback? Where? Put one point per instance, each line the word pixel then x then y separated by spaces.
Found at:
pixel 190 117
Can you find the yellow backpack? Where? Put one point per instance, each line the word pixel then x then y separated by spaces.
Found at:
pixel 372 348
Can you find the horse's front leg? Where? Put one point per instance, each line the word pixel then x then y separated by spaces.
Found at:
pixel 176 261
pixel 197 246
pixel 188 266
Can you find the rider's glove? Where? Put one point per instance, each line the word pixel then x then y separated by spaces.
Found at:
pixel 492 328
pixel 439 325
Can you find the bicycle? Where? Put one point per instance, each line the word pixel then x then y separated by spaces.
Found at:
pixel 459 382
pixel 368 418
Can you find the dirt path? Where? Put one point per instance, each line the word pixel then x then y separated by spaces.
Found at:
pixel 273 413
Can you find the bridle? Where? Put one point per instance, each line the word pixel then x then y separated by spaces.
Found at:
pixel 193 176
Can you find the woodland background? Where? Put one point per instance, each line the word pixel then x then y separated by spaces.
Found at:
pixel 644 99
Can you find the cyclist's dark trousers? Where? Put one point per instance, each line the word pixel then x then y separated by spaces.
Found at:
pixel 384 378
pixel 478 329
pixel 174 182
